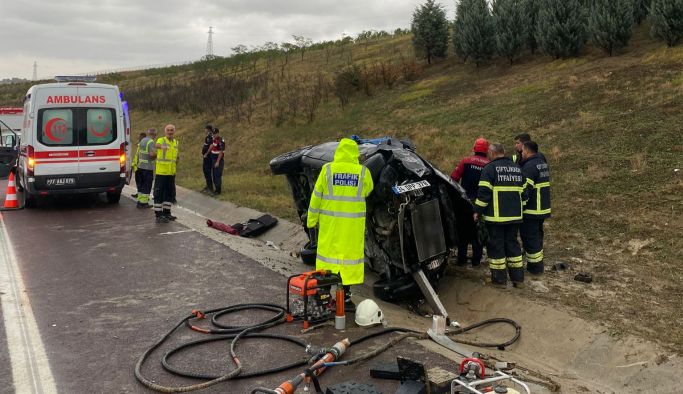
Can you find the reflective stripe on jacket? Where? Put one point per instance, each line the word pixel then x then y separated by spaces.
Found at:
pixel 135 157
pixel 338 206
pixel 501 192
pixel 537 173
pixel 145 162
pixel 167 155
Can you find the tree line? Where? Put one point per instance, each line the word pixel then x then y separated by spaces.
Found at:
pixel 559 28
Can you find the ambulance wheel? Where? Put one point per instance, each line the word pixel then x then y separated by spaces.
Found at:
pixel 287 163
pixel 29 200
pixel 113 197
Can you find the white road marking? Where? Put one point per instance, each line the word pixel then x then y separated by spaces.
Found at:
pixel 177 232
pixel 30 366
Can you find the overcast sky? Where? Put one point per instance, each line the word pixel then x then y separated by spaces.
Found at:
pixel 78 36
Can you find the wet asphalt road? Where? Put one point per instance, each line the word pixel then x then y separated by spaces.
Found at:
pixel 105 282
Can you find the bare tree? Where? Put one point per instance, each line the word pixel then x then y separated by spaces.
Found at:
pixel 302 43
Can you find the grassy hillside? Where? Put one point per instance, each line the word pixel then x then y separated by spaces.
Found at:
pixel 611 127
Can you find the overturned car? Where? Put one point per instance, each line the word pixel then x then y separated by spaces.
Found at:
pixel 414 215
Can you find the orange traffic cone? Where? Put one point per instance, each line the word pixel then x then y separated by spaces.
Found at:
pixel 11 197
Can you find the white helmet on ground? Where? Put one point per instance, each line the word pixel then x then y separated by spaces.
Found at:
pixel 368 313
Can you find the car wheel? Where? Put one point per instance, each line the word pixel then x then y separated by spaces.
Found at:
pixel 18 183
pixel 113 197
pixel 308 254
pixel 29 200
pixel 289 162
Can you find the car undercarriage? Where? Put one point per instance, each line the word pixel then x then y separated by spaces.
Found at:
pixel 414 216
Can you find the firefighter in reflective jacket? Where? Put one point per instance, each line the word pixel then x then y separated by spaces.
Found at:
pixel 499 203
pixel 338 207
pixel 537 208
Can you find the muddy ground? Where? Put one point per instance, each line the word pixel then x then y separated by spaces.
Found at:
pixel 583 355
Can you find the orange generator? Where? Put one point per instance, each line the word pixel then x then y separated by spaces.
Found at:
pixel 311 296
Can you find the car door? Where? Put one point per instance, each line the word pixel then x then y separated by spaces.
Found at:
pixel 9 143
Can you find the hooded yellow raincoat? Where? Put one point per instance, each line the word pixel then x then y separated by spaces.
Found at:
pixel 338 205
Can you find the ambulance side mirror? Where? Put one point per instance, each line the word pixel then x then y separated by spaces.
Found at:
pixel 5 170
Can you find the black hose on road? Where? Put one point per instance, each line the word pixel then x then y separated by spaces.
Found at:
pixel 236 333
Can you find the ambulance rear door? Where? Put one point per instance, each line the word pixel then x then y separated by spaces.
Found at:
pixel 56 138
pixel 102 137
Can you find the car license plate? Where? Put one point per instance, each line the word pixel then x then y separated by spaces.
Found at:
pixel 434 264
pixel 61 181
pixel 400 189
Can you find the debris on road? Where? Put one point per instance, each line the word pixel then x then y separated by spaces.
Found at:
pixel 584 277
pixel 561 266
pixel 538 286
pixel 272 245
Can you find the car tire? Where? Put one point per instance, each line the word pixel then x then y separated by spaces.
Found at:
pixel 308 254
pixel 113 197
pixel 29 200
pixel 18 183
pixel 289 162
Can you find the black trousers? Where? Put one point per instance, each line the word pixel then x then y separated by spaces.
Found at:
pixel 144 183
pixel 163 194
pixel 138 178
pixel 217 172
pixel 208 173
pixel 173 189
pixel 466 237
pixel 531 232
pixel 504 252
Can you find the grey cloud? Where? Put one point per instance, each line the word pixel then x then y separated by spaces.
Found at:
pixel 85 35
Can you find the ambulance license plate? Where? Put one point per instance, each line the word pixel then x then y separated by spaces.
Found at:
pixel 61 181
pixel 400 189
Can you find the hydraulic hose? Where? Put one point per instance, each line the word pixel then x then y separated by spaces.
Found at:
pixel 500 346
pixel 236 333
pixel 198 375
pixel 233 344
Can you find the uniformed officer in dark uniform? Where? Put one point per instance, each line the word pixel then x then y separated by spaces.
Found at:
pixel 499 203
pixel 217 153
pixel 206 164
pixel 537 209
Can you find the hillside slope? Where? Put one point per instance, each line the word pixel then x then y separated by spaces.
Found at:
pixel 610 126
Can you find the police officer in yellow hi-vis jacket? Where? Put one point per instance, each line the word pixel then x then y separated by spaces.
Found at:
pixel 164 184
pixel 338 207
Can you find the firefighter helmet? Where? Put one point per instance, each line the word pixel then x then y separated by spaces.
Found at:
pixel 368 313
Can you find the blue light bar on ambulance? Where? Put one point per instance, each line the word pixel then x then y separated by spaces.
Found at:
pixel 75 78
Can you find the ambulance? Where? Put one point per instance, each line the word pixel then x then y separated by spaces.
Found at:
pixel 75 139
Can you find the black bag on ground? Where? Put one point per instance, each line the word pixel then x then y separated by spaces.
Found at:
pixel 255 227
